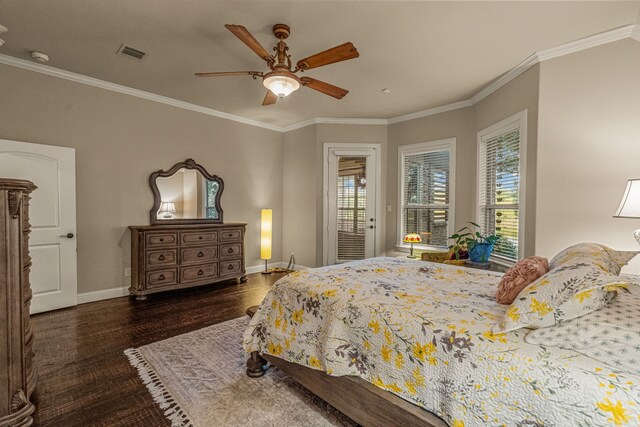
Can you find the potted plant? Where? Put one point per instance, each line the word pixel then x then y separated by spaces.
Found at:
pixel 458 250
pixel 481 246
pixel 478 246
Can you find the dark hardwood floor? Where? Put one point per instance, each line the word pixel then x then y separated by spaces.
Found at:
pixel 84 378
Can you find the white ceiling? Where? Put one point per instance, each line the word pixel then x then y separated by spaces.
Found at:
pixel 428 53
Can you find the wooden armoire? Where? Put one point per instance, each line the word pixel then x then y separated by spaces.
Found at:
pixel 17 374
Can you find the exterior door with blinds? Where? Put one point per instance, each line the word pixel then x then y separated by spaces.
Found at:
pixel 426 175
pixel 500 189
pixel 351 205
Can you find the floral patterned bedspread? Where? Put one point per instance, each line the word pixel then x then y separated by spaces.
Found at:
pixel 423 331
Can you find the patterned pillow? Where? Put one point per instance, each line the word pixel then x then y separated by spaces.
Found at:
pixel 610 335
pixel 564 293
pixel 609 260
pixel 518 277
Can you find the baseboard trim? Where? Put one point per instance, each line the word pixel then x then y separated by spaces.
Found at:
pixel 104 294
pixel 86 297
pixel 260 268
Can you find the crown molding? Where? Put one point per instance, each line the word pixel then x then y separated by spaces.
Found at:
pixel 587 43
pixel 335 121
pixel 616 34
pixel 114 87
pixel 430 111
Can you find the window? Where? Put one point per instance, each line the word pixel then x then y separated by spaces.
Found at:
pixel 500 184
pixel 426 193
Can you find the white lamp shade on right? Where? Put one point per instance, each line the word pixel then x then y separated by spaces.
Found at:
pixel 630 203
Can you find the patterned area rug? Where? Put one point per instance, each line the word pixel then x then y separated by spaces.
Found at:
pixel 199 379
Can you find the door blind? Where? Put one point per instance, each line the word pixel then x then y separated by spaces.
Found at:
pixel 351 205
pixel 500 190
pixel 425 197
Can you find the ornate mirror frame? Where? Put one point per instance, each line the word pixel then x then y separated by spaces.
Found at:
pixel 187 164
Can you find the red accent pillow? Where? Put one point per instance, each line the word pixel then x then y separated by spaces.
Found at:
pixel 518 277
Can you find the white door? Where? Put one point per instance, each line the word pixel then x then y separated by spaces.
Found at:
pixel 52 242
pixel 351 204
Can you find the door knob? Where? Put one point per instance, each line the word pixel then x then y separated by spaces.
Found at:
pixel 68 235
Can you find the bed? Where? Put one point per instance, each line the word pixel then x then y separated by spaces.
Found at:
pixel 422 332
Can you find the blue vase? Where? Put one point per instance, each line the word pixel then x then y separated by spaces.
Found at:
pixel 481 252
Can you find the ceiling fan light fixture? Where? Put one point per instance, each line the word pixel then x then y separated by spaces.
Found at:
pixel 281 84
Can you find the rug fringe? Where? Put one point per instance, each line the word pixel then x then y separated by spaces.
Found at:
pixel 159 392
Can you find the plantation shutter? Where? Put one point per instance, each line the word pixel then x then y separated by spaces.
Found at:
pixel 425 198
pixel 499 190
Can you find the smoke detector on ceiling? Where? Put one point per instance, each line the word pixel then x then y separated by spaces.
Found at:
pixel 40 57
pixel 130 51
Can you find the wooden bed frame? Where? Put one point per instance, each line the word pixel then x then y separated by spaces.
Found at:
pixel 358 399
pixel 361 401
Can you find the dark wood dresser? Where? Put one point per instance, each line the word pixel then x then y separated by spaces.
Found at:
pixel 17 374
pixel 166 257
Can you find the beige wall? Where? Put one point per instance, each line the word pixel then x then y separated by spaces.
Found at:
pixel 519 94
pixel 303 183
pixel 119 141
pixel 589 145
pixel 464 124
pixel 299 196
pixel 457 124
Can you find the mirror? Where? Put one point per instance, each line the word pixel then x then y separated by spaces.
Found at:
pixel 186 194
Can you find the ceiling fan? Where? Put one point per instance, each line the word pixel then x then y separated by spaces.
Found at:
pixel 281 79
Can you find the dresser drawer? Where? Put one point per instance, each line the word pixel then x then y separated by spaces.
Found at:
pixel 230 267
pixel 164 257
pixel 200 255
pixel 161 239
pixel 231 234
pixel 230 250
pixel 198 273
pixel 164 277
pixel 199 237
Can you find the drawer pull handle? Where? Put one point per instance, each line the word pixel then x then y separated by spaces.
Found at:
pixel 161 277
pixel 200 237
pixel 161 258
pixel 200 254
pixel 230 267
pixel 230 250
pixel 162 239
pixel 200 272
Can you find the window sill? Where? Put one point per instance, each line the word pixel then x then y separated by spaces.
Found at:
pixel 421 248
pixel 502 261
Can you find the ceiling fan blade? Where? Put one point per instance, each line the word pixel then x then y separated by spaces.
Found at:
pixel 269 98
pixel 245 36
pixel 329 56
pixel 254 74
pixel 323 87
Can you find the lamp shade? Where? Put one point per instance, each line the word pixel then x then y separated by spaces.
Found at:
pixel 265 234
pixel 168 207
pixel 281 85
pixel 412 238
pixel 630 203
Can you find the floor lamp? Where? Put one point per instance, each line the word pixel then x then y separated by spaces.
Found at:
pixel 266 224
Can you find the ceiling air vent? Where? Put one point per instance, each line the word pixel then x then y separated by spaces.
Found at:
pixel 131 51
